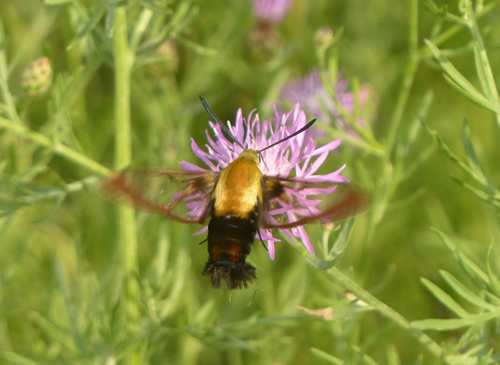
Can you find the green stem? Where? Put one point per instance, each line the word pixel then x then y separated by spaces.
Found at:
pixel 55 146
pixel 408 77
pixel 61 193
pixel 9 102
pixel 389 168
pixel 123 67
pixel 124 60
pixel 339 277
pixel 482 62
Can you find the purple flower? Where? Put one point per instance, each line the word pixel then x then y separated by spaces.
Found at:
pixel 297 157
pixel 271 11
pixel 315 99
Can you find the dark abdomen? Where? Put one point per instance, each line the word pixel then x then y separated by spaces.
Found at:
pixel 229 242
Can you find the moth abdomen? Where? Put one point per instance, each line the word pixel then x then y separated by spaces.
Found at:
pixel 229 243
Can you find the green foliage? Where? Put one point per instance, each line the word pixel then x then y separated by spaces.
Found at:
pixel 83 281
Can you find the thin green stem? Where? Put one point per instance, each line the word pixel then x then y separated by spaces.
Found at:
pixel 482 62
pixel 372 148
pixel 389 168
pixel 453 30
pixel 124 59
pixel 140 27
pixel 61 192
pixel 408 77
pixel 123 66
pixel 9 103
pixel 55 146
pixel 349 284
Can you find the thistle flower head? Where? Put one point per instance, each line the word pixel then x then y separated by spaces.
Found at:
pixel 271 11
pixel 317 101
pixel 296 157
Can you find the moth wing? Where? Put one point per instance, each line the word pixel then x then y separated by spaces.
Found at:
pixel 290 202
pixel 180 195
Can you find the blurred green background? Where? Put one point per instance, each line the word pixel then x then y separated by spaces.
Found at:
pixel 72 291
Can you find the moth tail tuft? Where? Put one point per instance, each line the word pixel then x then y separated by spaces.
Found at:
pixel 237 275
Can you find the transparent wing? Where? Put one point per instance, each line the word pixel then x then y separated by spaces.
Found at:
pixel 290 202
pixel 180 195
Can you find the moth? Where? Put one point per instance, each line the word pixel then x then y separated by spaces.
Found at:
pixel 236 200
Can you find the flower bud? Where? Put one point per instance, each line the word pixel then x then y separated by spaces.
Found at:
pixel 323 35
pixel 37 77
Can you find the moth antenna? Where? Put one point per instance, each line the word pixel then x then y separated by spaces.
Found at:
pixel 290 136
pixel 214 117
pixel 264 162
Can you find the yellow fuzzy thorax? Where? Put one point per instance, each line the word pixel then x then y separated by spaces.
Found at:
pixel 239 188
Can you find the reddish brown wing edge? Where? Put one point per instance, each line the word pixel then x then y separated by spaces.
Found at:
pixel 118 188
pixel 350 204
